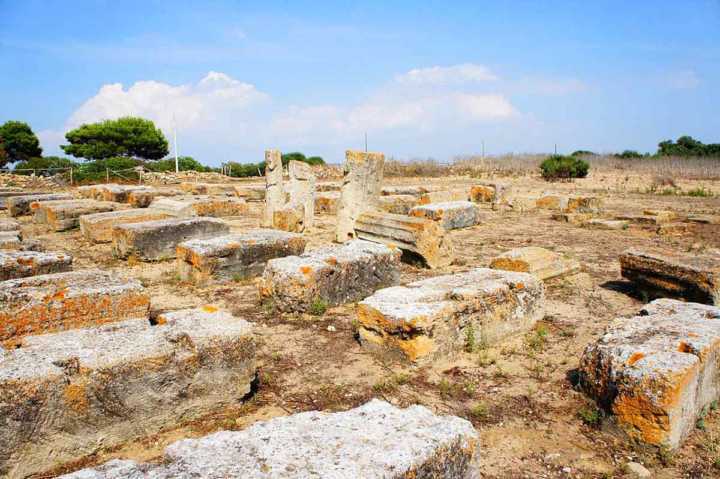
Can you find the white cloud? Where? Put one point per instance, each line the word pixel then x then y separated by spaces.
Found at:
pixel 464 73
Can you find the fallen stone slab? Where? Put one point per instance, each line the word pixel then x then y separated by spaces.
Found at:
pixel 397 204
pixel 420 239
pixel 664 216
pixel 327 203
pixel 657 372
pixel 601 224
pixel 327 187
pixel 362 183
pixel 540 262
pixel 577 219
pixel 157 240
pixel 113 384
pixel 7 224
pixel 522 204
pixel 208 188
pixel 98 227
pixel 569 203
pixel 451 215
pixel 74 299
pixel 235 256
pixel 404 190
pixel 330 276
pixel 444 196
pixel 20 205
pixel 695 277
pixel 441 315
pixel 649 220
pixel 376 440
pixel 189 206
pixel 250 192
pixel 62 215
pixel 490 192
pixel 10 240
pixel 143 197
pixel 704 219
pixel 10 193
pixel 116 193
pixel 20 264
pixel 673 229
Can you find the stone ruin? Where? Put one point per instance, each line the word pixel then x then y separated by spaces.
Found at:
pixel 362 183
pixel 288 207
pixel 540 262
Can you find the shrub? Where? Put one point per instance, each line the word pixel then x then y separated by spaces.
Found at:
pixel 583 153
pixel 43 163
pixel 318 307
pixel 628 154
pixel 558 167
pixel 185 163
pixel 242 170
pixel 297 156
pixel 97 170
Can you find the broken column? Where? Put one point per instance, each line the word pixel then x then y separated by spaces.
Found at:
pixel 657 372
pixel 51 302
pixel 376 440
pixel 63 215
pixel 302 189
pixel 420 239
pixel 695 277
pixel 443 315
pixel 98 227
pixel 274 191
pixel 450 215
pixel 157 240
pixel 540 262
pixel 331 275
pixel 20 264
pixel 362 182
pixel 116 384
pixel 20 205
pixel 235 256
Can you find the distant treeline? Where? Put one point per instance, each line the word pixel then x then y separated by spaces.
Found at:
pixel 685 146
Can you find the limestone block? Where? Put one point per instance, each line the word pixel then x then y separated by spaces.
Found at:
pixel 694 277
pixel 540 262
pixel 569 203
pixel 704 219
pixel 158 240
pixel 302 189
pixel 397 204
pixel 327 203
pixel 334 275
pixel 61 215
pixel 64 395
pixel 328 187
pixel 290 217
pixel 444 196
pixel 75 299
pixel 411 190
pixel 116 193
pixel 664 216
pixel 418 238
pixel 376 440
pixel 143 197
pixel 522 204
pixel 451 215
pixel 673 229
pixel 646 220
pixel 219 189
pixel 19 264
pixel 577 219
pixel 250 192
pixel 98 227
pixel 20 205
pixel 274 189
pixel 7 224
pixel 9 193
pixel 362 182
pixel 434 317
pixel 189 206
pixel 490 192
pixel 602 224
pixel 11 240
pixel 235 256
pixel 657 372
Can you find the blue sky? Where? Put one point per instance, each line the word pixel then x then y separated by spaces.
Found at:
pixel 423 79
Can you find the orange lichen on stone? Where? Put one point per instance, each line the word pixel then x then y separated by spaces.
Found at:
pixel 306 269
pixel 75 395
pixel 635 357
pixel 209 308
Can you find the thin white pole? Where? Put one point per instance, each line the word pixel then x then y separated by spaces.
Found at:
pixel 177 165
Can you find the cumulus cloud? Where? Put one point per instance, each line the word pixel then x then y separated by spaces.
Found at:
pixel 464 73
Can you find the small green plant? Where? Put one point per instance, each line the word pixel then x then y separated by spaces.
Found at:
pixel 536 341
pixel 590 416
pixel 318 307
pixel 470 344
pixel 478 411
pixel 665 456
pixel 558 167
pixel 700 192
pixel 237 277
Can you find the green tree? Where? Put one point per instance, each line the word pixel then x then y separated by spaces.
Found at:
pixel 185 163
pixel 124 137
pixel 688 146
pixel 45 162
pixel 17 142
pixel 297 156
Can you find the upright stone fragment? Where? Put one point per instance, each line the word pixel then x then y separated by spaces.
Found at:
pixel 19 264
pixel 157 240
pixel 190 206
pixel 440 316
pixel 20 205
pixel 540 262
pixel 119 383
pixel 327 203
pixel 419 239
pixel 694 277
pixel 274 190
pixel 302 190
pixel 236 256
pixel 98 227
pixel 657 372
pixel 331 275
pixel 62 215
pixel 451 215
pixel 362 182
pixel 75 299
pixel 376 440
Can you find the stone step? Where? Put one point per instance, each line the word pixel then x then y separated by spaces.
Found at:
pixel 330 275
pixel 450 215
pixel 20 205
pixel 445 314
pixel 65 395
pixel 62 215
pixel 540 262
pixel 98 227
pixel 20 264
pixel 376 440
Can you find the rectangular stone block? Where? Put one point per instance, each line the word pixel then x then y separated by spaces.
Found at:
pixel 693 277
pixel 98 227
pixel 331 275
pixel 290 217
pixel 75 299
pixel 444 196
pixel 569 203
pixel 436 317
pixel 235 256
pixel 64 395
pixel 362 182
pixel 10 240
pixel 657 372
pixel 490 192
pixel 301 189
pixel 7 224
pixel 411 190
pixel 20 205
pixel 116 193
pixel 189 206
pixel 19 264
pixel 397 204
pixel 540 262
pixel 327 203
pixel 220 189
pixel 329 187
pixel 143 197
pixel 9 193
pixel 602 224
pixel 420 239
pixel 376 440
pixel 250 192
pixel 451 215
pixel 62 215
pixel 157 240
pixel 577 219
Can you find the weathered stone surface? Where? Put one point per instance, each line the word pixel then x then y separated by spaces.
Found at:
pixel 208 188
pixel 569 204
pixel 302 189
pixel 397 204
pixel 10 240
pixel 602 224
pixel 327 187
pixel 274 189
pixel 234 256
pixel 7 224
pixel 672 229
pixel 404 190
pixel 663 216
pixel 577 219
pixel 333 275
pixel 656 372
pixel 450 215
pixel 650 220
pixel 418 238
pixel 691 276
pixel 290 217
pixel 116 193
pixel 157 240
pixel 522 204
pixel 189 206
pixel 704 219
pixel 436 316
pixel 362 182
pixel 444 196
pixel 19 264
pixel 376 440
pixel 9 193
pixel 61 215
pixel 75 299
pixel 20 205
pixel 539 262
pixel 490 192
pixel 327 203
pixel 98 227
pixel 250 192
pixel 64 395
pixel 143 197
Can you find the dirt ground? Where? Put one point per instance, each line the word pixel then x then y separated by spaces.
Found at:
pixel 519 394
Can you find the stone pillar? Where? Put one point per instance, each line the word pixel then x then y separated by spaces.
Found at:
pixel 362 184
pixel 302 189
pixel 274 192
